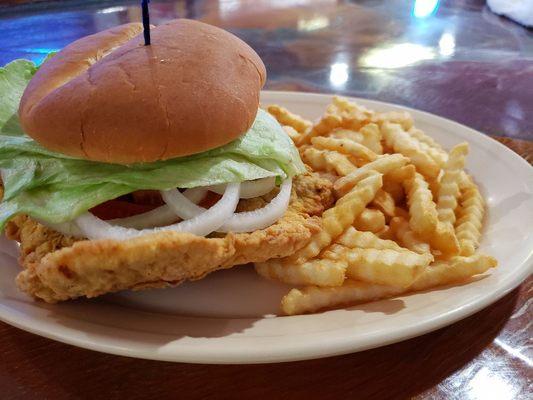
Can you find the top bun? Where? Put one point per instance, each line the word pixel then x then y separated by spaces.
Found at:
pixel 109 98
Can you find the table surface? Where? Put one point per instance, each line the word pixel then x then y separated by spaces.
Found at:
pixel 452 58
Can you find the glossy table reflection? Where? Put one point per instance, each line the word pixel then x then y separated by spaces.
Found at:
pixel 451 58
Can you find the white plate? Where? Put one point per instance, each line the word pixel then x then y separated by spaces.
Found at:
pixel 222 318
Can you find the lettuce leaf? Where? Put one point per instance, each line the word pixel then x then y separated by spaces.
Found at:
pixel 14 78
pixel 57 188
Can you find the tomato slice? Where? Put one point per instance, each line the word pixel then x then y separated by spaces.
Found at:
pixel 120 209
pixel 210 200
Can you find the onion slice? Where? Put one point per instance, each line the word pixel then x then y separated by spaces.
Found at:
pixel 181 205
pixel 239 222
pixel 250 189
pixel 65 228
pixel 197 194
pixel 201 225
pixel 263 217
pixel 159 216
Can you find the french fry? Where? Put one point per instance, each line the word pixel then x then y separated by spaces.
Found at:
pixel 372 138
pixel 455 269
pixel 343 106
pixel 303 148
pixel 342 167
pixel 401 174
pixel 312 299
pixel 440 157
pixel 328 161
pixel 384 202
pixel 434 187
pixel 395 189
pixel 402 213
pixel 369 136
pixel 346 108
pixel 336 219
pixel 370 220
pixel 449 184
pixel 291 132
pixel 285 117
pixel 407 237
pixel 356 116
pixel 423 217
pixel 318 272
pixel 341 133
pixel 402 118
pixel 418 196
pixel 388 149
pixel 353 115
pixel 427 140
pixel 470 220
pixel 403 143
pixel 465 181
pixel 327 123
pixel 344 146
pixel 445 239
pixel 381 266
pixel 352 238
pixel 358 162
pixel 386 233
pixel 316 159
pixel 430 146
pixel 383 165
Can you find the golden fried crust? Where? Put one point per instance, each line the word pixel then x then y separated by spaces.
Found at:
pixel 59 268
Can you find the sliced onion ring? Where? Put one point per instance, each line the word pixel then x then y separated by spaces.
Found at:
pixel 250 189
pixel 181 205
pixel 65 228
pixel 197 194
pixel 159 216
pixel 261 218
pixel 239 222
pixel 201 225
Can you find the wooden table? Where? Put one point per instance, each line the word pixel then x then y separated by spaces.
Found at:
pixel 461 62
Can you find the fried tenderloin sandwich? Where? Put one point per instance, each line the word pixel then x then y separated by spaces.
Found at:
pixel 127 166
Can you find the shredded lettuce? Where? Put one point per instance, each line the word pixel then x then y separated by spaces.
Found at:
pixel 57 188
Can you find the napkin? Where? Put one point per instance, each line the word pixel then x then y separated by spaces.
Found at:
pixel 520 11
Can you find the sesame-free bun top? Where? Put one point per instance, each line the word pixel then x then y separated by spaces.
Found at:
pixel 109 98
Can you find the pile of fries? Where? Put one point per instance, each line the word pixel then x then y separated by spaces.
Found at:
pixel 407 216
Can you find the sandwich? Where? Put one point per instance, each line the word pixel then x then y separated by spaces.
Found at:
pixel 127 166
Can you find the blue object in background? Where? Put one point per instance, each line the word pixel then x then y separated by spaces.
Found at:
pixel 51 31
pixel 425 8
pixel 453 58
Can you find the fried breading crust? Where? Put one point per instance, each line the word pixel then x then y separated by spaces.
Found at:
pixel 58 268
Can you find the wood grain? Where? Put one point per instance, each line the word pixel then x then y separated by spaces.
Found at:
pixel 523 148
pixel 442 364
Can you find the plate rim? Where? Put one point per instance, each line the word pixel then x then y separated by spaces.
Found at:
pixel 294 352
